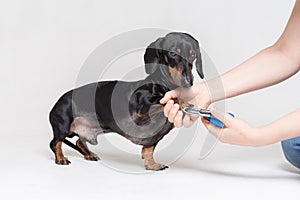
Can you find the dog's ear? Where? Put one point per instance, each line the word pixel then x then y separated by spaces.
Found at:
pixel 199 61
pixel 198 56
pixel 153 56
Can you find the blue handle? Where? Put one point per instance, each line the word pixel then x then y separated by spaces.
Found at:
pixel 212 119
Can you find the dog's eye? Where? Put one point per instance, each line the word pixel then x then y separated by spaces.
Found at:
pixel 172 53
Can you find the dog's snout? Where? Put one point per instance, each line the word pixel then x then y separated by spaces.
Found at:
pixel 188 78
pixel 186 85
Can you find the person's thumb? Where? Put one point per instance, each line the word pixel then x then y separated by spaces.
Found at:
pixel 169 95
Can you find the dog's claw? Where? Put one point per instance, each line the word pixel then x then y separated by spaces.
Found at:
pixel 156 167
pixel 62 161
pixel 92 157
pixel 164 167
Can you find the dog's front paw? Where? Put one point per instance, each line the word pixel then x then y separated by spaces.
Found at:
pixel 155 166
pixel 62 161
pixel 92 157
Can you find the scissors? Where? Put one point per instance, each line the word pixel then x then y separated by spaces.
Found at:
pixel 204 113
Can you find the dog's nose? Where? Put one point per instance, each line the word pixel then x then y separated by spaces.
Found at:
pixel 187 82
pixel 186 85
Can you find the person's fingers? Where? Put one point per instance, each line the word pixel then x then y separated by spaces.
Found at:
pixel 169 95
pixel 221 115
pixel 214 130
pixel 187 121
pixel 173 112
pixel 194 117
pixel 178 119
pixel 168 107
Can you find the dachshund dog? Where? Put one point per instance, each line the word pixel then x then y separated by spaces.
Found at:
pixel 131 109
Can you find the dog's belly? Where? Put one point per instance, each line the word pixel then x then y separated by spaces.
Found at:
pixel 87 129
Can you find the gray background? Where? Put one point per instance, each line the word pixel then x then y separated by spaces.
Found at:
pixel 42 47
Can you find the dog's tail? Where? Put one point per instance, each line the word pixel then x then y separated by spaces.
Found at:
pixel 70 144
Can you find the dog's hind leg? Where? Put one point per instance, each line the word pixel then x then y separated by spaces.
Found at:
pixel 149 162
pixel 61 117
pixel 55 146
pixel 88 155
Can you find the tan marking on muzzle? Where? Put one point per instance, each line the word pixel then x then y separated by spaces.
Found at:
pixel 176 75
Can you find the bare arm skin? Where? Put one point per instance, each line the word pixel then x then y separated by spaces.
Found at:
pixel 274 64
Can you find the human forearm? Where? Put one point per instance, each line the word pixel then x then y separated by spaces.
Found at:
pixel 266 68
pixel 284 128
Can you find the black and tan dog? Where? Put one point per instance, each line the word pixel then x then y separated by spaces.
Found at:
pixel 131 109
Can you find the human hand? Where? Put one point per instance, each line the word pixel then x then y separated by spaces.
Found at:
pixel 197 95
pixel 235 131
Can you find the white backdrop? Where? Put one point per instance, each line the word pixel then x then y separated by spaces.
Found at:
pixel 44 43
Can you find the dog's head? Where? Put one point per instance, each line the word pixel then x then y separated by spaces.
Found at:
pixel 174 55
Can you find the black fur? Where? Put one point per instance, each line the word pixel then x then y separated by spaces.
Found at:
pixel 131 109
